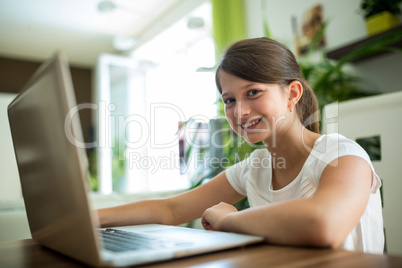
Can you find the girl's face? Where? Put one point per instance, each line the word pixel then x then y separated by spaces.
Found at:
pixel 255 111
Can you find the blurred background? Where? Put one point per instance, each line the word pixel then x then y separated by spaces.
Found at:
pixel 155 59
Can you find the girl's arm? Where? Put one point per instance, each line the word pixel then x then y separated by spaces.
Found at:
pixel 322 220
pixel 175 210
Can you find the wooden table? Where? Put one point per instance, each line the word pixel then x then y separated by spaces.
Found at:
pixel 27 253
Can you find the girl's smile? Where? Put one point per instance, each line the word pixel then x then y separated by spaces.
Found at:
pixel 250 124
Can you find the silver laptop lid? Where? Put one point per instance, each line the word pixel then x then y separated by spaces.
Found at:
pixel 53 171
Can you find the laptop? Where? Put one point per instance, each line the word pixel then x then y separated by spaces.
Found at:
pixel 55 183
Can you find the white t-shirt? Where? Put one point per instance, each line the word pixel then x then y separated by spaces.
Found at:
pixel 252 178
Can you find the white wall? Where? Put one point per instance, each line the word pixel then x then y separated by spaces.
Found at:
pixel 346 25
pixel 9 178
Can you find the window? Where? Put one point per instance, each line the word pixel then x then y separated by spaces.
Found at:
pixel 161 85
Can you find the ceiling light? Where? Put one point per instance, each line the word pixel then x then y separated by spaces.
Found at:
pixel 195 23
pixel 123 43
pixel 106 6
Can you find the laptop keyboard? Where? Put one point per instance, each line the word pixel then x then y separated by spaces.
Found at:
pixel 119 241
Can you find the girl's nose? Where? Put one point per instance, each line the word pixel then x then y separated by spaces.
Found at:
pixel 241 109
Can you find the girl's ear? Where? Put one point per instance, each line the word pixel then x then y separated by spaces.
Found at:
pixel 295 90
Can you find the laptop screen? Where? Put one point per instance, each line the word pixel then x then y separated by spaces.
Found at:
pixel 53 171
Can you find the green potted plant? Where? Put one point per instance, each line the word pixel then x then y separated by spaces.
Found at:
pixel 330 80
pixel 380 15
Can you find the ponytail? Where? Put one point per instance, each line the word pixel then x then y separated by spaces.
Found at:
pixel 307 109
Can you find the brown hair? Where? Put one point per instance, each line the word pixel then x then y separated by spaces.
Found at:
pixel 264 60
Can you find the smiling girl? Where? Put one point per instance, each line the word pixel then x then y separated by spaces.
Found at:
pixel 324 194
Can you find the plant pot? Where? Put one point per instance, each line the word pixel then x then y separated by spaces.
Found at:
pixel 381 22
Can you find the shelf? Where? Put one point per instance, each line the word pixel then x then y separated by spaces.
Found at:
pixel 337 54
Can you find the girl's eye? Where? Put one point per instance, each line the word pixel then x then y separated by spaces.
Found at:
pixel 253 92
pixel 228 101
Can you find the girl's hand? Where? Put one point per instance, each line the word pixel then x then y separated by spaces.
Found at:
pixel 213 217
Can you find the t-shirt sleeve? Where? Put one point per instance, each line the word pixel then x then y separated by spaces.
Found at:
pixel 236 178
pixel 338 146
pixel 239 173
